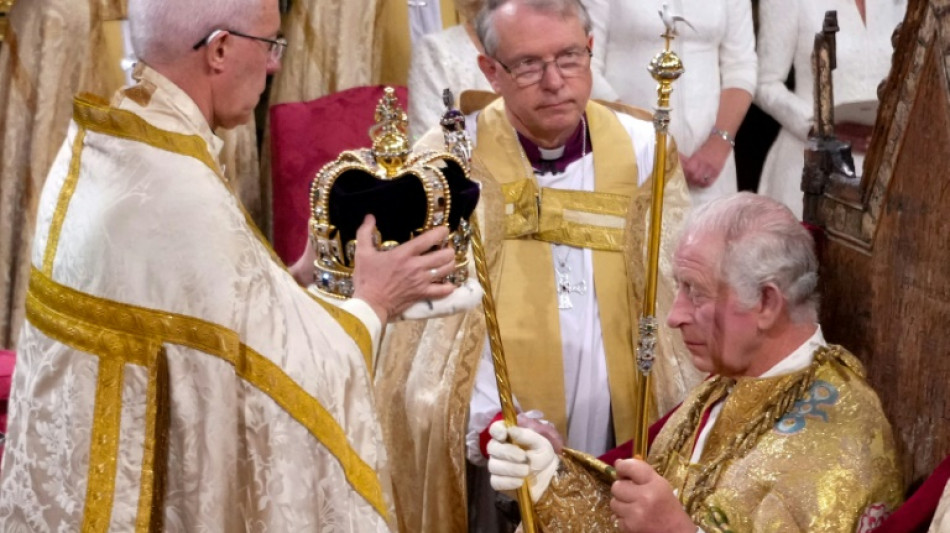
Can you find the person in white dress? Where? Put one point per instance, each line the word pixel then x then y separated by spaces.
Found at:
pixel 786 38
pixel 709 100
pixel 445 59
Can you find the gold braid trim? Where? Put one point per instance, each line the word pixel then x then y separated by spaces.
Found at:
pixel 121 333
pixel 778 405
pixel 62 204
pixel 584 219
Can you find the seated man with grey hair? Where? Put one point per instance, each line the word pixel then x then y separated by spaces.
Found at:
pixel 172 375
pixel 786 435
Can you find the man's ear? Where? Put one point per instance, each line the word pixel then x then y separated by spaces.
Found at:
pixel 217 50
pixel 772 306
pixel 491 70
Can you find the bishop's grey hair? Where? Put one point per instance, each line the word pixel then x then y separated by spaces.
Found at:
pixel 764 243
pixel 485 26
pixel 165 30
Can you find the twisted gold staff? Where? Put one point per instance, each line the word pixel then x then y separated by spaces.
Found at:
pixel 501 368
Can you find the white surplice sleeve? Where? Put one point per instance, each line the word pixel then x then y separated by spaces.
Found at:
pixel 428 76
pixel 778 36
pixel 599 11
pixel 737 59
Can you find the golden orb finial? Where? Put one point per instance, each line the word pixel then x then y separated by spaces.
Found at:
pixel 390 138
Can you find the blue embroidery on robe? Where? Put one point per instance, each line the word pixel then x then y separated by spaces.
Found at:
pixel 820 394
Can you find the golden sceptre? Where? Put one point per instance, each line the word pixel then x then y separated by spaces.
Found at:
pixel 457 141
pixel 665 67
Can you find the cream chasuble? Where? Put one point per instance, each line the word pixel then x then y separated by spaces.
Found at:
pixel 172 375
pixel 53 50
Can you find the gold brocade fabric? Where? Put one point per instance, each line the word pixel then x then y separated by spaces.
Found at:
pixel 567 504
pixel 809 451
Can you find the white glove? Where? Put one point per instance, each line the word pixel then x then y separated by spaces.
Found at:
pixel 466 296
pixel 530 458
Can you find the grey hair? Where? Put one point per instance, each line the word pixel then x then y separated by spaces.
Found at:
pixel 485 27
pixel 165 30
pixel 763 243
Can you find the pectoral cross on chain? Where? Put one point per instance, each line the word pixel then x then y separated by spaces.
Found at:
pixel 565 287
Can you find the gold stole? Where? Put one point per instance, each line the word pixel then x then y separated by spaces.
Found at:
pixel 526 295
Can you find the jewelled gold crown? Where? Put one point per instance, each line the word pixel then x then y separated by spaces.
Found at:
pixel 408 193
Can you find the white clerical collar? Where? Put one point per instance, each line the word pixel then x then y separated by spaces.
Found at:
pixel 550 154
pixel 800 358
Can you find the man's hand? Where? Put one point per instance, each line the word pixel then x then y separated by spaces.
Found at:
pixel 302 270
pixel 531 458
pixel 704 166
pixel 534 420
pixel 393 280
pixel 644 502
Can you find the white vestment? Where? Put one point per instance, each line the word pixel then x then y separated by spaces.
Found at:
pixel 587 394
pixel 171 373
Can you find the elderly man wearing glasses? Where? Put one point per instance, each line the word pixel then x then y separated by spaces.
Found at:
pixel 171 373
pixel 562 211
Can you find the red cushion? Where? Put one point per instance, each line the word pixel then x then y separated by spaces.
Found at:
pixel 304 137
pixel 625 450
pixel 917 512
pixel 7 359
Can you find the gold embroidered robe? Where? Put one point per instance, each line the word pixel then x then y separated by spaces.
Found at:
pixel 427 369
pixel 172 376
pixel 823 458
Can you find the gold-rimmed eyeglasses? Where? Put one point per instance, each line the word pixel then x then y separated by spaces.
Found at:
pixel 275 47
pixel 570 64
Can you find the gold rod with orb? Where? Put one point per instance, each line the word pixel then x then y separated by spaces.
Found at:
pixel 665 68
